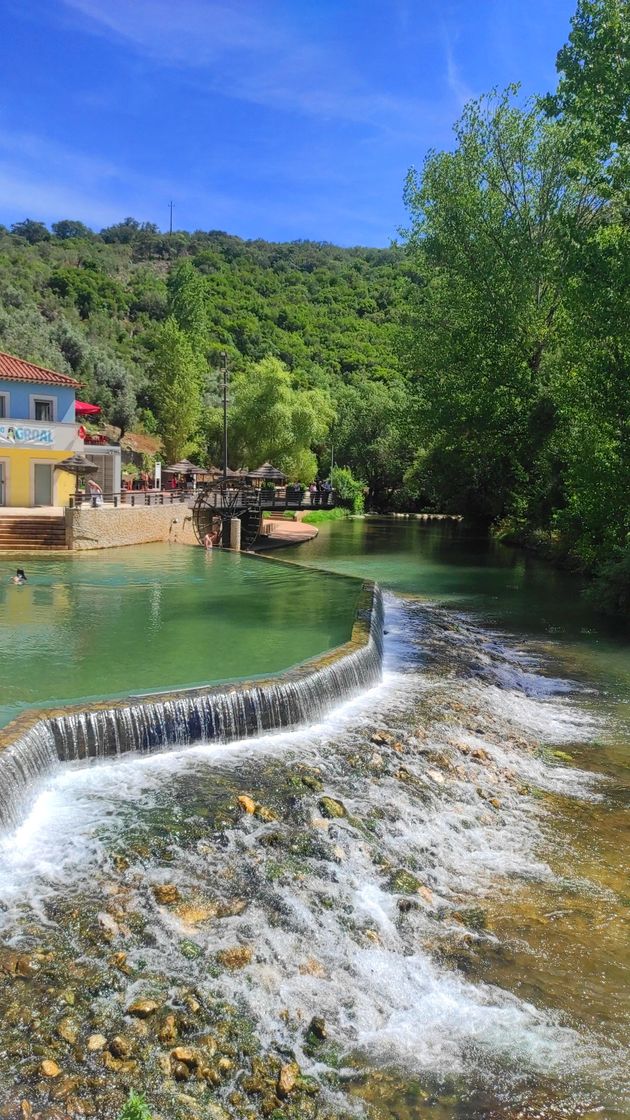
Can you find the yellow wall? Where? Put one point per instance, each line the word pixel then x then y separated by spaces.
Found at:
pixel 18 474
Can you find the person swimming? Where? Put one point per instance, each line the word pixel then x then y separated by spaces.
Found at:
pixel 20 576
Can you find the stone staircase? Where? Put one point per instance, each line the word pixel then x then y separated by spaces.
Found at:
pixel 32 534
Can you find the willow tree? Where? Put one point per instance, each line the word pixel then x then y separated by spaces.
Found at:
pixel 270 419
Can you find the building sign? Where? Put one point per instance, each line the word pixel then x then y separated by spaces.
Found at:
pixel 20 436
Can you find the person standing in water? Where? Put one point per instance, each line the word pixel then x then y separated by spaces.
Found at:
pixel 19 577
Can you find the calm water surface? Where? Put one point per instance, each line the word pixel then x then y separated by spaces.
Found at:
pixel 490 767
pixel 158 617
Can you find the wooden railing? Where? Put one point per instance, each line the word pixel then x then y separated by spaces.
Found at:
pixel 282 498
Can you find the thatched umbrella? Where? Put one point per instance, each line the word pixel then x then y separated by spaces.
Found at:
pixel 78 465
pixel 186 467
pixel 267 473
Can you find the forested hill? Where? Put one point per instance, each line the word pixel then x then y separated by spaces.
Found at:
pixel 94 304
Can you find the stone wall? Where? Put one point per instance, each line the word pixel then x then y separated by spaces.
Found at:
pixel 110 528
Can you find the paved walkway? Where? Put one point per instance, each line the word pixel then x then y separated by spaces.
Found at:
pixel 283 533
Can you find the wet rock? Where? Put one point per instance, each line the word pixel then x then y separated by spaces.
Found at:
pixel 49 1068
pixel 17 964
pixel 190 949
pixel 235 958
pixel 562 756
pixel 404 882
pixel 436 776
pixel 311 967
pixel 407 904
pixel 109 929
pixel 187 1055
pixel 180 1071
pixel 68 1030
pixel 168 1030
pixel 119 961
pixel 317 1028
pixel 474 917
pixel 287 1078
pixel 208 1044
pixel 231 908
pixel 381 737
pixel 311 781
pixel 330 808
pixel 192 913
pixel 120 1046
pixel 96 1042
pixel 247 804
pixel 142 1008
pixel 166 894
pixel 265 814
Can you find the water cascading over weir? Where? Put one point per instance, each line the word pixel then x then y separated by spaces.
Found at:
pixel 37 743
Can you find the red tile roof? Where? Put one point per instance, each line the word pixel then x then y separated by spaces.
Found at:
pixel 14 369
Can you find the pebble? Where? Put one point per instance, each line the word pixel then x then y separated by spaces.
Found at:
pixel 166 893
pixel 287 1078
pixel 50 1068
pixel 247 804
pixel 96 1042
pixel 237 957
pixel 142 1007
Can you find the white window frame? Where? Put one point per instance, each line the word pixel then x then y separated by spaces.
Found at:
pixel 6 397
pixel 36 397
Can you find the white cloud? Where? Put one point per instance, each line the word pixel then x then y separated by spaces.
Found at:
pixel 244 50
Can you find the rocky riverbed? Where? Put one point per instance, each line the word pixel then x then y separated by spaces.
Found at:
pixel 319 924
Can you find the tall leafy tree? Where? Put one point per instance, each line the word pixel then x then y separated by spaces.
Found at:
pixel 271 420
pixel 187 303
pixel 488 221
pixel 176 388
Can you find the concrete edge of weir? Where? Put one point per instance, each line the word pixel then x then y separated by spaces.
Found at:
pixel 369 601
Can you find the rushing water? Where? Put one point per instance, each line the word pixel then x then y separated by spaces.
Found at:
pixel 461 930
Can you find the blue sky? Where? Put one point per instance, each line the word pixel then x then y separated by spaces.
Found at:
pixel 266 118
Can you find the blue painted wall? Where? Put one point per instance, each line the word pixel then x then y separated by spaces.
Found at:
pixel 20 393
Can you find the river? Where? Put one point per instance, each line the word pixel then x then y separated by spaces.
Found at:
pixel 452 945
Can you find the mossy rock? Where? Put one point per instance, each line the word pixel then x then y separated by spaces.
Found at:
pixel 404 882
pixel 331 809
pixel 190 949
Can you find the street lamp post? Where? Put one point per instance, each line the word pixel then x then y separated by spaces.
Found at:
pixel 224 369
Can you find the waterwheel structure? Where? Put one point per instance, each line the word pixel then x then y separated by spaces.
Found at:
pixel 218 502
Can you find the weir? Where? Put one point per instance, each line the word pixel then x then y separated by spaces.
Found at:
pixel 37 743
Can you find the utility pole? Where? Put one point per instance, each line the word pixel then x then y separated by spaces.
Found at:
pixel 170 225
pixel 224 368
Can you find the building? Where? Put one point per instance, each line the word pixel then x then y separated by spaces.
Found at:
pixel 37 431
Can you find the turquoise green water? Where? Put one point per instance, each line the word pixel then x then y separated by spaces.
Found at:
pixel 466 570
pixel 158 617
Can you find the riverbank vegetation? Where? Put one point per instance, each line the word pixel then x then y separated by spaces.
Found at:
pixel 518 344
pixel 480 367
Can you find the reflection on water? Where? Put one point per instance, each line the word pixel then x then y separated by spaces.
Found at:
pixel 461 928
pixel 158 617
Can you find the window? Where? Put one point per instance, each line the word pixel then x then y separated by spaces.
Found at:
pixel 43 410
pixel 4 406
